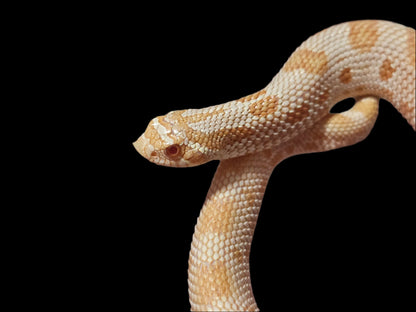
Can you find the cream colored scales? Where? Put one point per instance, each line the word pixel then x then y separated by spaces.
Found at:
pixel 366 60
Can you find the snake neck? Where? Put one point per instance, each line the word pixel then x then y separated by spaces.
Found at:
pixel 218 274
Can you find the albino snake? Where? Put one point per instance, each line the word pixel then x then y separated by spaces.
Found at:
pixel 366 60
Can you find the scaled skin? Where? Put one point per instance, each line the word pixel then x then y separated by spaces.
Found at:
pixel 366 60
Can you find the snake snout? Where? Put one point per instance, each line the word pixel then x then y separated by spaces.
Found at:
pixel 143 147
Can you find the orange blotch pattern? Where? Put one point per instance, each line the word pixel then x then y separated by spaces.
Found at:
pixel 386 70
pixel 363 36
pixel 312 62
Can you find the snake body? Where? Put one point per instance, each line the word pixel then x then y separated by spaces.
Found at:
pixel 367 60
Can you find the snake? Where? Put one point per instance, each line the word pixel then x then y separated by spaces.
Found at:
pixel 366 60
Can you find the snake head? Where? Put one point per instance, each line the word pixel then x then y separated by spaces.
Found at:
pixel 165 143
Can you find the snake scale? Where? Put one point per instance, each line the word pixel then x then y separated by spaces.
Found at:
pixel 366 60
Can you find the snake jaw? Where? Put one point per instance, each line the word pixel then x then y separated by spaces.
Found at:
pixel 184 157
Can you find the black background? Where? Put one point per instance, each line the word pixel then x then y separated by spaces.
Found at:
pixel 335 228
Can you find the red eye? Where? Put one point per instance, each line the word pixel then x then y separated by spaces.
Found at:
pixel 173 150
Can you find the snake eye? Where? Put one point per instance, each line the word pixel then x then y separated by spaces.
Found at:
pixel 173 150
